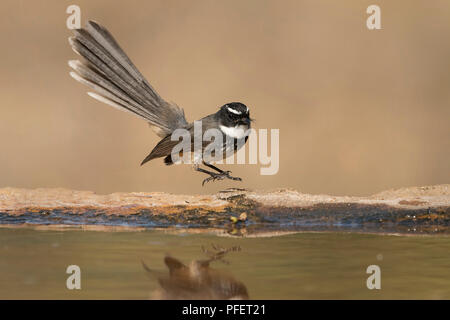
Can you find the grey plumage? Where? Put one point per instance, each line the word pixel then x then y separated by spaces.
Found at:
pixel 166 144
pixel 117 82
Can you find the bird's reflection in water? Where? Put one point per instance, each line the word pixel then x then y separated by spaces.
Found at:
pixel 198 280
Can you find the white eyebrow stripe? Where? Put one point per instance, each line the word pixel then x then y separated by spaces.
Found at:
pixel 233 111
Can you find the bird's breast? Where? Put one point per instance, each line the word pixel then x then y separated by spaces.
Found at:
pixel 237 132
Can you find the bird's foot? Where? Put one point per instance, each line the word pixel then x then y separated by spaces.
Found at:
pixel 220 176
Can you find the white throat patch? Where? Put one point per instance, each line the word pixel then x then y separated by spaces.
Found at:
pixel 238 132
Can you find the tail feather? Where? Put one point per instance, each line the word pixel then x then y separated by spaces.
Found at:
pixel 104 88
pixel 103 73
pixel 117 82
pixel 110 67
pixel 106 40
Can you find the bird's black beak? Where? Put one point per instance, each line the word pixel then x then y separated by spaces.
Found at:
pixel 245 121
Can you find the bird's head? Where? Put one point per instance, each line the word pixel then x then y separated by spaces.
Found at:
pixel 234 114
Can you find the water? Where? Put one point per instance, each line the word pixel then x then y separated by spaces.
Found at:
pixel 296 266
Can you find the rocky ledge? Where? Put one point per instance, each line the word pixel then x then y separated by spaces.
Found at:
pixel 415 210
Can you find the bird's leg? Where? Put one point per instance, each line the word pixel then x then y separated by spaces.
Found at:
pixel 215 176
pixel 212 175
pixel 221 172
pixel 218 253
pixel 214 167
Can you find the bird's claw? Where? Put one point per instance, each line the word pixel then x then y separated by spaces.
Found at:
pixel 220 176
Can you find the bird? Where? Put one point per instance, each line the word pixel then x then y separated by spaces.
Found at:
pixel 115 81
pixel 196 280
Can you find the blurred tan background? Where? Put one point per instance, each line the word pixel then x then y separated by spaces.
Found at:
pixel 359 111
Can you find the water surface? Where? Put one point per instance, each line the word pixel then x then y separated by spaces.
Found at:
pixel 297 266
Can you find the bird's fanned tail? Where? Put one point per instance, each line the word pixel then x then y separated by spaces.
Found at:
pixel 117 82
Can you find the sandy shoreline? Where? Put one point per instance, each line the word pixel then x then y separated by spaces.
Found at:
pixel 406 210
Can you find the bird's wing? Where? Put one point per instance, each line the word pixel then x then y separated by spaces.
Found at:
pixel 117 82
pixel 166 145
pixel 162 149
